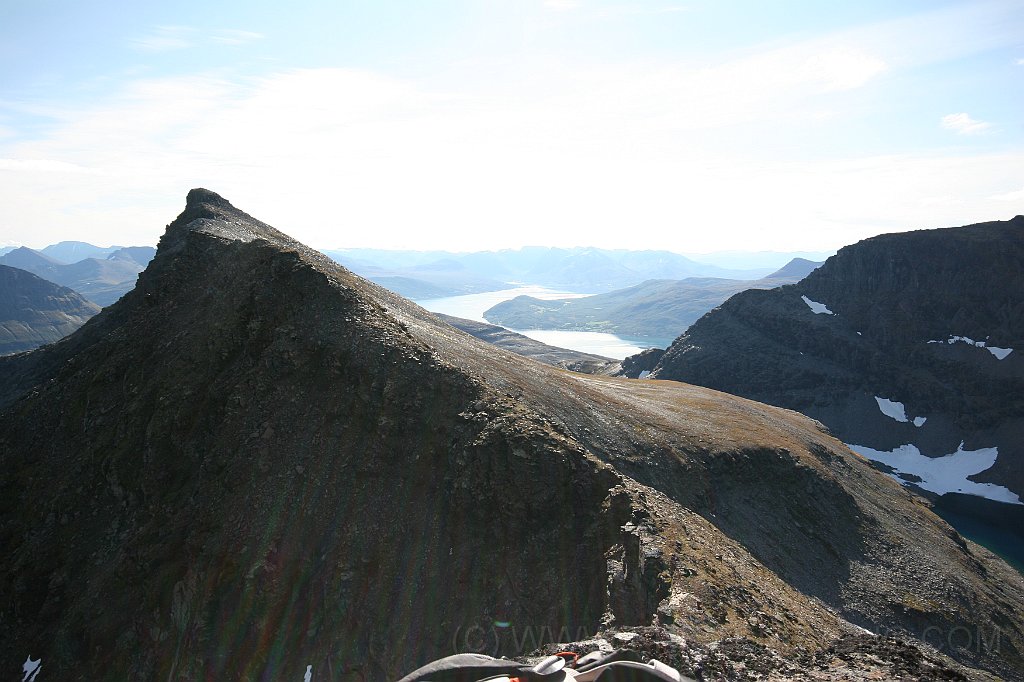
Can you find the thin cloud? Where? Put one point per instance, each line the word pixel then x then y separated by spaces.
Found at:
pixel 300 145
pixel 634 10
pixel 963 124
pixel 231 36
pixel 562 5
pixel 843 68
pixel 1015 197
pixel 169 38
pixel 165 39
pixel 42 166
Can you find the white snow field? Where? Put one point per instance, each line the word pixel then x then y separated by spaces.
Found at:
pixel 946 474
pixel 1000 353
pixel 817 308
pixel 896 410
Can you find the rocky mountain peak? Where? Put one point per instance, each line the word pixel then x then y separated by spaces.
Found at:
pixel 256 461
pixel 209 213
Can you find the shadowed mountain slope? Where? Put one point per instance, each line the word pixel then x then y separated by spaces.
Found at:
pixel 34 312
pixel 910 338
pixel 257 461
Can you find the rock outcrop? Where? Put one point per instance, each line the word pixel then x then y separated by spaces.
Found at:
pixel 34 312
pixel 256 462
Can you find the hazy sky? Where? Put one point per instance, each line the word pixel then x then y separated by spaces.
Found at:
pixel 686 125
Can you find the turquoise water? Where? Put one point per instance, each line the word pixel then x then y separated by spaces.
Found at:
pixel 996 526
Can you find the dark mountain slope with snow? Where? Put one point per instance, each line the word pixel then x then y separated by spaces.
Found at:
pixel 905 344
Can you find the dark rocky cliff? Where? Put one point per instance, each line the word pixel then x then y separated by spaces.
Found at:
pixel 34 312
pixel 256 461
pixel 931 319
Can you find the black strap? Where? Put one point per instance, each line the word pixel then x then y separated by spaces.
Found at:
pixel 617 655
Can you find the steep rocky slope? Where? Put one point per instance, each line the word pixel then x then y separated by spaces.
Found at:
pixel 257 462
pixel 34 311
pixel 909 345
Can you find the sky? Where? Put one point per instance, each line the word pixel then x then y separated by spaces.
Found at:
pixel 693 126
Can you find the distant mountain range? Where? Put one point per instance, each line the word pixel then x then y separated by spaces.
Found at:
pixel 34 311
pixel 102 277
pixel 434 274
pixel 72 251
pixel 657 310
pixel 909 347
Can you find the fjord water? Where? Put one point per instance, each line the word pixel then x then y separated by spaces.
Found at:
pixel 996 526
pixel 472 307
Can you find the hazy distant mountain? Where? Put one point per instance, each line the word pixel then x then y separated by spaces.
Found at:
pixel 72 252
pixel 795 270
pixel 140 255
pixel 6 249
pixel 582 269
pixel 658 310
pixel 102 281
pixel 34 261
pixel 431 278
pixel 767 260
pixel 34 311
pixel 257 465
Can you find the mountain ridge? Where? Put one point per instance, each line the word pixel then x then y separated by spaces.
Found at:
pixel 34 311
pixel 101 280
pixel 257 461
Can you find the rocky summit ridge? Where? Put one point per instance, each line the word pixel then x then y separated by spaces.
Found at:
pixel 256 462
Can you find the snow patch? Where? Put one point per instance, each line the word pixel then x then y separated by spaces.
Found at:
pixel 31 669
pixel 309 674
pixel 817 308
pixel 919 421
pixel 1000 353
pixel 891 408
pixel 946 474
pixel 644 374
